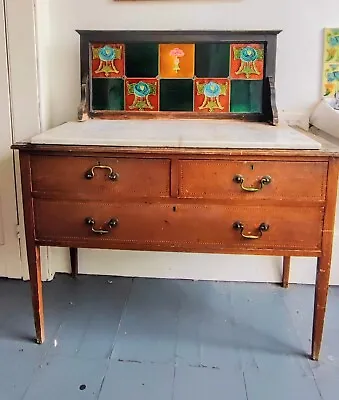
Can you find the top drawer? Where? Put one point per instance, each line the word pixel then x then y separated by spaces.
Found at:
pixel 253 180
pixel 90 178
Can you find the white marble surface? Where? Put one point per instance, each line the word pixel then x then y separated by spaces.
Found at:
pixel 177 133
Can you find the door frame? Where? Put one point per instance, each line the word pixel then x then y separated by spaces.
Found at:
pixel 24 99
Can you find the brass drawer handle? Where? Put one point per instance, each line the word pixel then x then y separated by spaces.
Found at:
pixel 265 180
pixel 112 175
pixel 112 223
pixel 263 227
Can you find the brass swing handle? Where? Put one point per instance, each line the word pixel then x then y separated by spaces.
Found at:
pixel 112 175
pixel 263 227
pixel 112 223
pixel 265 180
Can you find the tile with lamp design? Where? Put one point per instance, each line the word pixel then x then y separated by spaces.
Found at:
pixel 176 60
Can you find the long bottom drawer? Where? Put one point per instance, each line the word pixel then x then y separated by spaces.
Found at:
pixel 180 225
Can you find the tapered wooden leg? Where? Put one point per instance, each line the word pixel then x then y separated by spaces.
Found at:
pixel 33 255
pixel 324 262
pixel 74 261
pixel 320 301
pixel 33 251
pixel 286 271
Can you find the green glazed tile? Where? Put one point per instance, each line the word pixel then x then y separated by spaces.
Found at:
pixel 212 60
pixel 176 95
pixel 107 94
pixel 141 60
pixel 246 96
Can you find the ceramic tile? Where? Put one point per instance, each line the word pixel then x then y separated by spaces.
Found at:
pixel 142 94
pixel 212 60
pixel 181 77
pixel 176 95
pixel 108 94
pixel 211 95
pixel 246 96
pixel 247 61
pixel 142 60
pixel 108 60
pixel 176 60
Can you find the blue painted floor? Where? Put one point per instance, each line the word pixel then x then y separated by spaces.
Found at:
pixel 152 339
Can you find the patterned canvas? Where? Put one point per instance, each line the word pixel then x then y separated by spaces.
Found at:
pixel 331 62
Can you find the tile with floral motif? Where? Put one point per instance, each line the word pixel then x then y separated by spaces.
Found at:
pixel 211 95
pixel 141 94
pixel 176 60
pixel 247 61
pixel 108 60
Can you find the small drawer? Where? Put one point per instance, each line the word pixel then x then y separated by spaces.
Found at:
pixel 92 178
pixel 300 181
pixel 183 226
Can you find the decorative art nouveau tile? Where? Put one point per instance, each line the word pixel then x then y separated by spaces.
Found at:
pixel 247 61
pixel 211 95
pixel 108 60
pixel 141 94
pixel 176 60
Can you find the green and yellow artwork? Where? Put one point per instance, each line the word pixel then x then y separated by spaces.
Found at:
pixel 331 62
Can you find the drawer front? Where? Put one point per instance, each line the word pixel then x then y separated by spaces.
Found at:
pixel 75 177
pixel 181 225
pixel 253 180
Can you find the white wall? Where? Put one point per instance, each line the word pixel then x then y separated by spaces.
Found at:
pixel 298 86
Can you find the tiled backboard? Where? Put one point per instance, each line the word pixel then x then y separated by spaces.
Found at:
pixel 331 62
pixel 167 77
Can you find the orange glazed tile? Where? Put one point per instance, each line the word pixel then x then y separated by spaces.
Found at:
pixel 108 60
pixel 211 95
pixel 247 61
pixel 176 60
pixel 141 94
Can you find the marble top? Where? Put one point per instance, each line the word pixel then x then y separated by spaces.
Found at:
pixel 177 133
